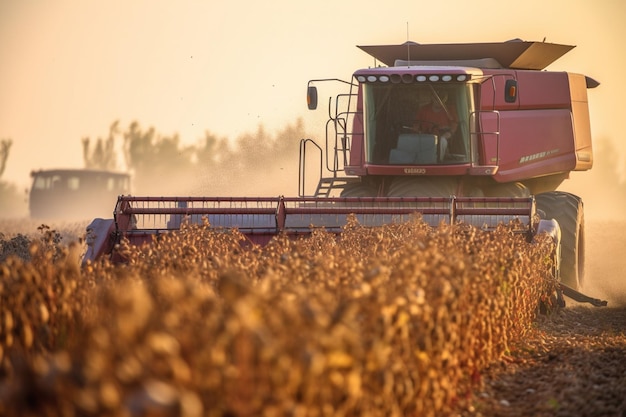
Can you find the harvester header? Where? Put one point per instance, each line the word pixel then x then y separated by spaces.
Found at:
pixel 140 219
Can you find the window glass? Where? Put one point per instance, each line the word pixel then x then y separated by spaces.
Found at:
pixel 417 124
pixel 56 182
pixel 73 183
pixel 41 183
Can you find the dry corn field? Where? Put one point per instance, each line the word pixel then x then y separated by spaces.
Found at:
pixel 402 320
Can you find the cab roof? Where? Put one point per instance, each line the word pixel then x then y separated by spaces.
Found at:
pixel 77 171
pixel 515 54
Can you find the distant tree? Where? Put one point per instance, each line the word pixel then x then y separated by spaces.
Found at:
pixel 158 164
pixel 102 156
pixel 5 147
pixel 264 151
pixel 258 164
pixel 12 202
pixel 162 165
pixel 212 151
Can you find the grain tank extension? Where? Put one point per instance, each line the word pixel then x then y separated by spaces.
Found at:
pixel 475 132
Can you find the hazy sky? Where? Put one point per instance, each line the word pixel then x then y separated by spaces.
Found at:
pixel 69 68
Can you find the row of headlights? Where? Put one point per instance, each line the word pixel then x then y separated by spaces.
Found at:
pixel 409 78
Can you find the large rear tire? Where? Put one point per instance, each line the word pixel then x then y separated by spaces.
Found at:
pixel 567 210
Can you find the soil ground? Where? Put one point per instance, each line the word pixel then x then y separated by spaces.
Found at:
pixel 574 362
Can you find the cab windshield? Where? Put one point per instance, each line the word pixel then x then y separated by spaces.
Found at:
pixel 417 124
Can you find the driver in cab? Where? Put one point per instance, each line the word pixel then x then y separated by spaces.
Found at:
pixel 437 118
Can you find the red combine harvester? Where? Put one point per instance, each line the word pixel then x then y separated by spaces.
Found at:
pixel 477 133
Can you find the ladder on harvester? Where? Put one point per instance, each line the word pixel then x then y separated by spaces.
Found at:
pixel 326 185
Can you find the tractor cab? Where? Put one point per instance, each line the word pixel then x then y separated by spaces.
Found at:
pixel 71 194
pixel 416 119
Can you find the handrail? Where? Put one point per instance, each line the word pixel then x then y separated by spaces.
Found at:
pixel 302 164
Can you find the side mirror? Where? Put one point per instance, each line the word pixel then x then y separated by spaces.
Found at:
pixel 311 97
pixel 510 91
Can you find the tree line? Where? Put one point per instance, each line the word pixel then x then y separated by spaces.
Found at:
pixel 11 201
pixel 162 165
pixel 258 163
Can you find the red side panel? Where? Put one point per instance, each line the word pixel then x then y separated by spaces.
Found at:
pixel 543 90
pixel 533 136
pixel 535 143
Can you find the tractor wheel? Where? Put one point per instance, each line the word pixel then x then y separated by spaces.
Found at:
pixel 422 187
pixel 567 210
pixel 358 189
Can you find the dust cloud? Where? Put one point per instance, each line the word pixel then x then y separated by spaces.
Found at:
pixel 261 164
pixel 603 188
pixel 605 275
pixel 604 196
pixel 270 178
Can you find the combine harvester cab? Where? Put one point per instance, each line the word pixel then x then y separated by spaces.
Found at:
pixel 478 133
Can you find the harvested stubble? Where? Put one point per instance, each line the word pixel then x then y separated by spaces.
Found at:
pixel 392 321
